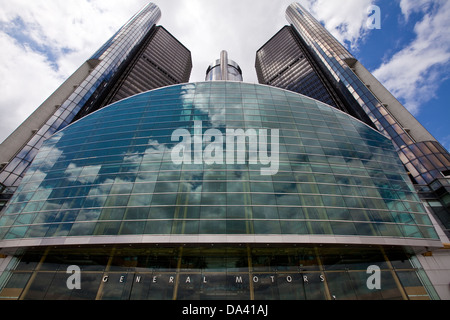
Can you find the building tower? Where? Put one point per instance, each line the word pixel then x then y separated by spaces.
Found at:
pixel 216 190
pixel 224 69
pixel 284 62
pixel 304 57
pixel 134 60
pixel 307 59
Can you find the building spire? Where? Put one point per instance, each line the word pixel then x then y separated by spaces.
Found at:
pixel 224 69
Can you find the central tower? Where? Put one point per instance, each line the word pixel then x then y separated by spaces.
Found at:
pixel 224 69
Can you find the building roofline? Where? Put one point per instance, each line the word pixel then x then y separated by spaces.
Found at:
pixel 285 27
pixel 160 26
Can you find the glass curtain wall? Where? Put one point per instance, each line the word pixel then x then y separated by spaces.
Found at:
pixel 115 171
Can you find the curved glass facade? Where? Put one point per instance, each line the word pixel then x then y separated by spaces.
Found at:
pixel 158 167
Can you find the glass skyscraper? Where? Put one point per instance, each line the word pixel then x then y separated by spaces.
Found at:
pixel 411 139
pixel 304 57
pixel 113 180
pixel 217 190
pixel 224 69
pixel 284 62
pixel 134 60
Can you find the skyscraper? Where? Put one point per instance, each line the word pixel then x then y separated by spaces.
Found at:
pixel 216 190
pixel 305 50
pixel 134 60
pixel 224 69
pixel 161 60
pixel 412 140
pixel 307 59
pixel 219 189
pixel 284 62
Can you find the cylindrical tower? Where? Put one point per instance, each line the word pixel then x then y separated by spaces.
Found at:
pixel 390 117
pixel 224 69
pixel 78 93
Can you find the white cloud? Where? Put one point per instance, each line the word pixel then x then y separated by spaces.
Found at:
pixel 446 142
pixel 76 25
pixel 346 20
pixel 410 6
pixel 68 31
pixel 21 88
pixel 239 26
pixel 415 73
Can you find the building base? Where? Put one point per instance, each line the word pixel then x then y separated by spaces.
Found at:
pixel 217 272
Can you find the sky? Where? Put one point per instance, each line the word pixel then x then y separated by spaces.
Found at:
pixel 44 41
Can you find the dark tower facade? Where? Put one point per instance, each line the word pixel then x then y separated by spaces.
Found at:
pixel 284 63
pixel 161 60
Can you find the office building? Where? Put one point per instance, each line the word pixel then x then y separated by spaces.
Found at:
pixel 224 69
pixel 306 50
pixel 284 62
pixel 304 57
pixel 217 190
pixel 125 193
pixel 139 57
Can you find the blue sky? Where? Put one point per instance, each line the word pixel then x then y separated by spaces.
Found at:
pixel 397 33
pixel 45 41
